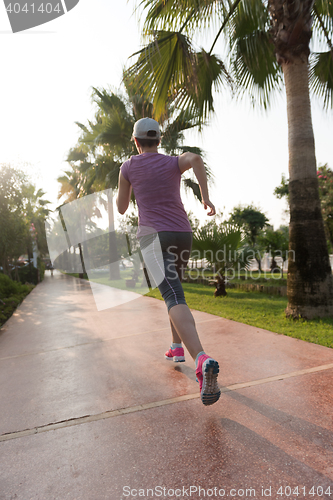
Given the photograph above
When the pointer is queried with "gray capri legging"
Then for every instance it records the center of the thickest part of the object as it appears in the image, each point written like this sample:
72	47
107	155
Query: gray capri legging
176	250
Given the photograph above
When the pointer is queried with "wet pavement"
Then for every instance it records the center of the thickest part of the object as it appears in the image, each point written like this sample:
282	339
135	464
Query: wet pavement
91	410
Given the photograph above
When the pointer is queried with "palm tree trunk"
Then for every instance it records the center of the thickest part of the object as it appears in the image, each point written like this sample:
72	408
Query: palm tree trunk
30	264
84	272
114	273
309	282
88	265
16	271
4	265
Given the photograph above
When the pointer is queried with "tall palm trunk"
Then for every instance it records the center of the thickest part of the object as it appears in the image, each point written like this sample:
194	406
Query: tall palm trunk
114	273
309	283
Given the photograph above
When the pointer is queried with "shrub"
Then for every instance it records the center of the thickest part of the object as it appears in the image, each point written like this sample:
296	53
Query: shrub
8	287
27	275
11	295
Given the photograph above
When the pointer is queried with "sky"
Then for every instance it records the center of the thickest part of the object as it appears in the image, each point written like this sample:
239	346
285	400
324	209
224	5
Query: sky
46	80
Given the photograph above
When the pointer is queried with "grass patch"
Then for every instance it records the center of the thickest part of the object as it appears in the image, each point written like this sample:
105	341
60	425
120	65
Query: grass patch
257	309
266	278
260	281
121	285
12	294
75	275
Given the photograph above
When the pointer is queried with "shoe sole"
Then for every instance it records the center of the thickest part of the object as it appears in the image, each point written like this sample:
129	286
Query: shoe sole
210	391
176	359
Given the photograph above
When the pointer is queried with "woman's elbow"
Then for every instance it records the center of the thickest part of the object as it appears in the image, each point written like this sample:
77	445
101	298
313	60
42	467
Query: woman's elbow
122	210
121	207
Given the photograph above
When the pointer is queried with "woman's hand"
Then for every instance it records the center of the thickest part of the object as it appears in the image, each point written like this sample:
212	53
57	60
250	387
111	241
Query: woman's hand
209	204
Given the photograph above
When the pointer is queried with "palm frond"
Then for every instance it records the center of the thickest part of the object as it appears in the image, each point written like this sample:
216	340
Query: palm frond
170	70
248	17
82	126
40	193
77	154
193	186
196	150
179	14
88	136
108	101
112	176
323	19
140	102
42	203
321	76
254	67
163	66
210	73
252	59
115	130
173	132
185	120
218	244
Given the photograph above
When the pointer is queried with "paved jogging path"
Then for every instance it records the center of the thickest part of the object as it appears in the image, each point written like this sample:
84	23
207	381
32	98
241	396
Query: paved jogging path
89	408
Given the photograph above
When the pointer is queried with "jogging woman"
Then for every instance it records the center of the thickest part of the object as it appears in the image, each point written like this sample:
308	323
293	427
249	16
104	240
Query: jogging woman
155	179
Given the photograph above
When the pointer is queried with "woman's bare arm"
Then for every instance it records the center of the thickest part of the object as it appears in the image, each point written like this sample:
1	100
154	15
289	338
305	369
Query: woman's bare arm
124	194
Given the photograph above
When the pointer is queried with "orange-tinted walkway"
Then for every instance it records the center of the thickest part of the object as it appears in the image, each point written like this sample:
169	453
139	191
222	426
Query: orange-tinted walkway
89	408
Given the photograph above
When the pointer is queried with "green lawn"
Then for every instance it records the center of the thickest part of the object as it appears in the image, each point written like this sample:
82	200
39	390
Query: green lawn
256	309
250	277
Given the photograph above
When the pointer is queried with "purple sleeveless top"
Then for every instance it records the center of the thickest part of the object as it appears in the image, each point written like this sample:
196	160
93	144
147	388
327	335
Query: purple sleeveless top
155	179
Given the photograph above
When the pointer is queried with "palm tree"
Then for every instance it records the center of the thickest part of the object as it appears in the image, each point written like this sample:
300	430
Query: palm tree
74	185
266	42
251	221
36	212
276	244
70	183
221	245
23	211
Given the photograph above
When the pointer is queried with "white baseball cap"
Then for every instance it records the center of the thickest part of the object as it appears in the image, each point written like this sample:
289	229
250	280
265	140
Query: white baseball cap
146	128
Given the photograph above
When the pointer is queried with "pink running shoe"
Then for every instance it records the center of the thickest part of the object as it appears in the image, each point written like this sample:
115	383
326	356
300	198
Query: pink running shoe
176	355
206	372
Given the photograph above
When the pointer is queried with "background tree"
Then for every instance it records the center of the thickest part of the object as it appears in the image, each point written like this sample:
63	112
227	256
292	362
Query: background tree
250	221
194	222
72	182
219	245
36	212
325	182
13	229
22	219
276	244
267	42
282	191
